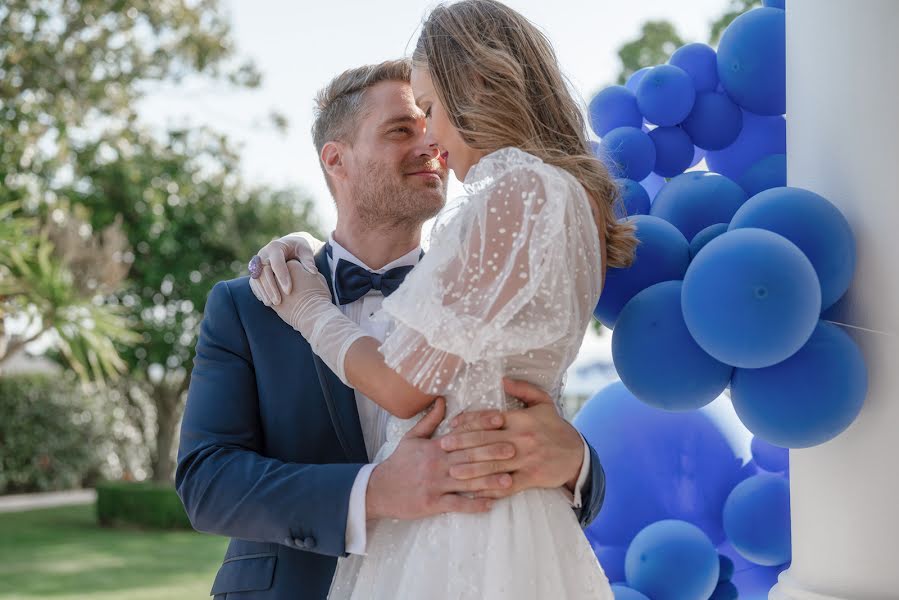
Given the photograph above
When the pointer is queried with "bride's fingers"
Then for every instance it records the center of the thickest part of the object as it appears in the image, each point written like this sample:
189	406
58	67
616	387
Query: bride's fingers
257	290
270	285
453	503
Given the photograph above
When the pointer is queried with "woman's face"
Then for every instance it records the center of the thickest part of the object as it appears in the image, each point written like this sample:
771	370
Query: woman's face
459	156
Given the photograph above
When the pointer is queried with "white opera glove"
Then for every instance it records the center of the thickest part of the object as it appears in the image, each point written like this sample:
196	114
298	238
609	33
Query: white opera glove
270	284
309	310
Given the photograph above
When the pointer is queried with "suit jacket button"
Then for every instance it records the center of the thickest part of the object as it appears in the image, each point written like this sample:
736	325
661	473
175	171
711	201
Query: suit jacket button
309	543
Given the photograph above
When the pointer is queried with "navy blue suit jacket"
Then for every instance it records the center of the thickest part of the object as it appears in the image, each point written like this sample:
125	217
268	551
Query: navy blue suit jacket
270	448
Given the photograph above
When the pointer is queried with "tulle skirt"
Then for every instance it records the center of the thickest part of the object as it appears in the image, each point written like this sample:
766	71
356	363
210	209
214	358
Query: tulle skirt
528	547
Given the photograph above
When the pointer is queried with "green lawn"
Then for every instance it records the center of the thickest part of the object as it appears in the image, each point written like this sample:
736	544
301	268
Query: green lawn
61	553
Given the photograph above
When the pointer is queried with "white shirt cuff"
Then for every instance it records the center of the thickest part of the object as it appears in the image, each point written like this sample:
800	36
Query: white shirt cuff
577	501
356	525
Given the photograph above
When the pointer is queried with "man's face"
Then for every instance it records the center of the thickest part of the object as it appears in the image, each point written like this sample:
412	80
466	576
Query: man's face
395	177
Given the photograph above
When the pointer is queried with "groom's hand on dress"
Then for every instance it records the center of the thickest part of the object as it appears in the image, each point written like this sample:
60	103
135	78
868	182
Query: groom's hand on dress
547	451
415	481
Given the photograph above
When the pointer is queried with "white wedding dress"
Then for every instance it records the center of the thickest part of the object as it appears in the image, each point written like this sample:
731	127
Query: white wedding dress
507	288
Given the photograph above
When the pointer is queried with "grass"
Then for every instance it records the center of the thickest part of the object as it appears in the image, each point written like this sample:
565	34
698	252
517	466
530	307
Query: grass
62	554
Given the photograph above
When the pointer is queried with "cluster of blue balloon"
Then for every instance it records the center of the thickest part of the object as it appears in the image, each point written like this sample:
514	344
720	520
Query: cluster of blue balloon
729	282
734	268
696	511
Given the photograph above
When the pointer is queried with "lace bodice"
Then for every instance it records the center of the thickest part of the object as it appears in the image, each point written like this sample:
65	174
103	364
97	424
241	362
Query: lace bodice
507	288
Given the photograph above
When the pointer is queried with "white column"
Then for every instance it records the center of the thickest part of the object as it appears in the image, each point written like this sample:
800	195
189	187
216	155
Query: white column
843	143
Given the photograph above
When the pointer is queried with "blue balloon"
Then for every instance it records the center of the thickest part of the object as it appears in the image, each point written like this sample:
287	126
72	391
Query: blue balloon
781	4
815	225
725	590
672	560
665	95
751	298
808	399
636	77
613	107
663	254
674	150
725	568
769	172
770	457
757	519
634	197
752	62
622	592
715	121
693	201
705	236
611	558
647	453
652	184
759	137
701	64
628	152
656	357
751	580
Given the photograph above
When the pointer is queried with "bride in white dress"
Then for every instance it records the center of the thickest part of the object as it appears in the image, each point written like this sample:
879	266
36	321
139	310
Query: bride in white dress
506	289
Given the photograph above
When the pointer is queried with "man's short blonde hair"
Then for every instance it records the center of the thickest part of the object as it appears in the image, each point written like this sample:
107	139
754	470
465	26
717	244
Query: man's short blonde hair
339	104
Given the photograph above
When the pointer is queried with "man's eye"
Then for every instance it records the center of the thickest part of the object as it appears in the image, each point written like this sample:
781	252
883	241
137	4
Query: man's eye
428	113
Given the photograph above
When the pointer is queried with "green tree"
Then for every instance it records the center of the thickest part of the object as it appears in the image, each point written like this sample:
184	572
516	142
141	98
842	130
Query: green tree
71	74
656	42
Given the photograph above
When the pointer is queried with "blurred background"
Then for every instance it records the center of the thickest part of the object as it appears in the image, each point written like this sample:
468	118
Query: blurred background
147	149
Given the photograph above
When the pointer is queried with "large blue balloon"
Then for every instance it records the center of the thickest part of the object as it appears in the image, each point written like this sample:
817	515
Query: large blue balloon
622	592
705	236
634	197
753	581
628	152
648	453
759	137
663	254
698	156
751	298
636	77
693	201
701	64
752	62
769	172
808	399
815	225
715	121
757	519
770	457
781	4
615	106
725	590
665	95
656	357
674	150
672	560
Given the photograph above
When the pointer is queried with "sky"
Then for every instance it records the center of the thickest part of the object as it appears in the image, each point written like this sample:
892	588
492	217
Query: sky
299	46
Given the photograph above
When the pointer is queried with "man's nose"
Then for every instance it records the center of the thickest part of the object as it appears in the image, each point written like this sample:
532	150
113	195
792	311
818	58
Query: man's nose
431	150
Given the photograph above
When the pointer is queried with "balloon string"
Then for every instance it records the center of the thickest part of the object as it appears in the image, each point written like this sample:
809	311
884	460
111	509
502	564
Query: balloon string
886	333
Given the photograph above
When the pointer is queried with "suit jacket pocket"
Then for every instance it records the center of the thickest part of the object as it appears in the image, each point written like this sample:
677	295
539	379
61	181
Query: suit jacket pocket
246	573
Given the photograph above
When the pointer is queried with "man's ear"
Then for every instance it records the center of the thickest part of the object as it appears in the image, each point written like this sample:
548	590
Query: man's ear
333	158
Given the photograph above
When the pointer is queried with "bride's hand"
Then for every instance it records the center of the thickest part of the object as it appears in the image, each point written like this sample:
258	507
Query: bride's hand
309	297
268	284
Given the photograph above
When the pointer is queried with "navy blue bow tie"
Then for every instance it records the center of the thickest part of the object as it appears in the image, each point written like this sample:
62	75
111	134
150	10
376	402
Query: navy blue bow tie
351	281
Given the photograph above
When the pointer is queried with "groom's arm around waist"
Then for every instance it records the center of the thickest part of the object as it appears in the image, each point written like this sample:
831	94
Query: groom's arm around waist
594	491
226	485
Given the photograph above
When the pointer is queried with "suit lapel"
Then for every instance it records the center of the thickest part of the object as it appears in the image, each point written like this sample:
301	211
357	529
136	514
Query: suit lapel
340	399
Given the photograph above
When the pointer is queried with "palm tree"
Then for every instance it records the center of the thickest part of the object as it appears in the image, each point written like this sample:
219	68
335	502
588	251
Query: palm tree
54	277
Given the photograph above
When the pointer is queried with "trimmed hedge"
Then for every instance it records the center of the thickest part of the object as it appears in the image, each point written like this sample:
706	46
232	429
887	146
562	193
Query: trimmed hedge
140	504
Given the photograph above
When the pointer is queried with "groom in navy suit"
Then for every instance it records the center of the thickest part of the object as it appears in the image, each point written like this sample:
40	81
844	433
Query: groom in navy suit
275	449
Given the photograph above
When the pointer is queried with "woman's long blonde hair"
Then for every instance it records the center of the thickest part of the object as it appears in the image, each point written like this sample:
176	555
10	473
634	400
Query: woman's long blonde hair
499	80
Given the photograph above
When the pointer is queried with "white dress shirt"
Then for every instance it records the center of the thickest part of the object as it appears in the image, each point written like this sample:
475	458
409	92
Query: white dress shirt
373	418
